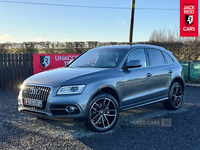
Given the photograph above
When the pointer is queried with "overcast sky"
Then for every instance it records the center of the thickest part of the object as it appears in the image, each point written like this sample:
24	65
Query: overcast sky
26	22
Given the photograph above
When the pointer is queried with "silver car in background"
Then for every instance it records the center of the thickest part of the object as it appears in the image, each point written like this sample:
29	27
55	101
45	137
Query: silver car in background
100	83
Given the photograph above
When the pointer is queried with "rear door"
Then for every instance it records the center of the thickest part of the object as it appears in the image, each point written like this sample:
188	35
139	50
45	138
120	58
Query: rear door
161	73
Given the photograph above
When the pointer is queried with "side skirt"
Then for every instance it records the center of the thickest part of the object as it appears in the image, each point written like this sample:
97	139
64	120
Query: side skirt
143	104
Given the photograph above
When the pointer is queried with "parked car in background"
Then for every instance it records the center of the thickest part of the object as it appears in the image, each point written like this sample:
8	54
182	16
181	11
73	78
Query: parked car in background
100	83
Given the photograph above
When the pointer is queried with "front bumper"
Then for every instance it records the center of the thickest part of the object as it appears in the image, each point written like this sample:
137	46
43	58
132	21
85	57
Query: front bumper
56	106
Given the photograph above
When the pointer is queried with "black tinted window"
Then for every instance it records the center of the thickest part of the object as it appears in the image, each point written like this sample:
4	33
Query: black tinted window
138	54
168	58
156	57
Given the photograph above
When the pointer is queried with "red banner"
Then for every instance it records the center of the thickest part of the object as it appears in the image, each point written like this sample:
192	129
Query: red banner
189	18
43	62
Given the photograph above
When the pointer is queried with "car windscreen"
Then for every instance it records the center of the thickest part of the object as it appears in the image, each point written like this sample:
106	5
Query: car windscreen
101	58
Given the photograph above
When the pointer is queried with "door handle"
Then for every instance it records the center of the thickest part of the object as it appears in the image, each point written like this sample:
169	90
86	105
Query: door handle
148	74
170	71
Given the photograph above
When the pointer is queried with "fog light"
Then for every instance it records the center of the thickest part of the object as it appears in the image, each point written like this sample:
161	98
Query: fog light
70	109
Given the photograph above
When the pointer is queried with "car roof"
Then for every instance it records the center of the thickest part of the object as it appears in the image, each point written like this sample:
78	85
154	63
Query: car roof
148	46
128	47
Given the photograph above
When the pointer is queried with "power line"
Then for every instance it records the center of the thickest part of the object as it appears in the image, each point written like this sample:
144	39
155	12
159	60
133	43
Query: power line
158	9
63	5
99	7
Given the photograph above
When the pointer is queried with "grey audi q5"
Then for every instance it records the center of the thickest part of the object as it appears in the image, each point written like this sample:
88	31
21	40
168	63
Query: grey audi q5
100	83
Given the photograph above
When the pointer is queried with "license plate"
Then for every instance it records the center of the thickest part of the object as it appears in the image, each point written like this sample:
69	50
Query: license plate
31	102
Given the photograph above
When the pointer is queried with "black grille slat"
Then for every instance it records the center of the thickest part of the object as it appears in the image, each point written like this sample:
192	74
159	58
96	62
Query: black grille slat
42	95
39	96
36	96
29	95
46	92
33	107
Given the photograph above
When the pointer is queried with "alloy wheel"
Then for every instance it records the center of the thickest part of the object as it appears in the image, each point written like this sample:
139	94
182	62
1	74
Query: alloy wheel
103	113
177	96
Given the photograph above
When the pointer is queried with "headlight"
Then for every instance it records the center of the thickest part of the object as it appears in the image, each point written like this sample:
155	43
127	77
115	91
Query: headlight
21	87
74	89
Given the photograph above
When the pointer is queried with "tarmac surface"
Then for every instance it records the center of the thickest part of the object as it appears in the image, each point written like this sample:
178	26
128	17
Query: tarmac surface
149	127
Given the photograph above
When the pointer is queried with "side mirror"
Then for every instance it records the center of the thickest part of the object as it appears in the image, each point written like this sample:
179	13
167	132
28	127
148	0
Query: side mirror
132	64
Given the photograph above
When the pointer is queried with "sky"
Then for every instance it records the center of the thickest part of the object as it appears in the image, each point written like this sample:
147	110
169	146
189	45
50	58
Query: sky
24	22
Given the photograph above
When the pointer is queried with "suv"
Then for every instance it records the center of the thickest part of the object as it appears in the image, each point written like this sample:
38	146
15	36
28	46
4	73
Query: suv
100	83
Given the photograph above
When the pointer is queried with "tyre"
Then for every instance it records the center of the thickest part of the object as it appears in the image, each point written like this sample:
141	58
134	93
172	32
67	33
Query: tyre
103	113
175	97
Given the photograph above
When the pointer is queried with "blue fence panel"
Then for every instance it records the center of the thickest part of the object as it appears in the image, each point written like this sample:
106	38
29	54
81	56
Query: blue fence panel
194	71
185	70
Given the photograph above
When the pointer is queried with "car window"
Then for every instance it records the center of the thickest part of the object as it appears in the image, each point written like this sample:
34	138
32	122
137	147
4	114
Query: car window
155	57
138	54
101	57
168	58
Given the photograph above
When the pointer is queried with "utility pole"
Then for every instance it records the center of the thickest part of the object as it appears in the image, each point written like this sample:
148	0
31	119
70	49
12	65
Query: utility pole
132	21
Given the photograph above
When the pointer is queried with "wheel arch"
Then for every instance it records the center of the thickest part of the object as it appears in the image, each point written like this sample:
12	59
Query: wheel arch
180	81
109	90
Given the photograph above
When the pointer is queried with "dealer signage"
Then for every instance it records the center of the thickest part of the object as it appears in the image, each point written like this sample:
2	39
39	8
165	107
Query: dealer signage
189	18
43	62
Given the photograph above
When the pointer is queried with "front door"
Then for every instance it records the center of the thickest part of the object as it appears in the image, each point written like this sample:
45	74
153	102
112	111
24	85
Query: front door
137	81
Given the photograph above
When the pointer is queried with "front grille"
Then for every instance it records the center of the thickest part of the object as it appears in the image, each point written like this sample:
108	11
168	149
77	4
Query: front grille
36	92
42	95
